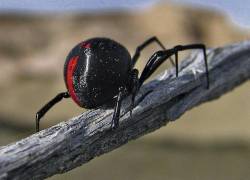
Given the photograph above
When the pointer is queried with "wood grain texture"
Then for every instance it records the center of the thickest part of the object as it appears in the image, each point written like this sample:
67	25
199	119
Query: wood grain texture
80	139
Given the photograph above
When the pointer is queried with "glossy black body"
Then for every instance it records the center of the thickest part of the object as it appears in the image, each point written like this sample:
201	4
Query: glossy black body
103	66
99	70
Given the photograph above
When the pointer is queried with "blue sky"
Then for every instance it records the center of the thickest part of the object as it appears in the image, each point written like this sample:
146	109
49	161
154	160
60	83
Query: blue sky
59	5
238	10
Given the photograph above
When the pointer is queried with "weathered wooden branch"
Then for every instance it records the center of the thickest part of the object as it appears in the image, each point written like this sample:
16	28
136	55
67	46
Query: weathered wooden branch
75	142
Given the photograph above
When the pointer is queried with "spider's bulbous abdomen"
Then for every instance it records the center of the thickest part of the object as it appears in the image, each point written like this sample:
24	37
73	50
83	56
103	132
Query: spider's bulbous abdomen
94	71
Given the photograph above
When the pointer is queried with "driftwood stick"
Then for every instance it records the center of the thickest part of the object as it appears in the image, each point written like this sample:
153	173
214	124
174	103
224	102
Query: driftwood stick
75	142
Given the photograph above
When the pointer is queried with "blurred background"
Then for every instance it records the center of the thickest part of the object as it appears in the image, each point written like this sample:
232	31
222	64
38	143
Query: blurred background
211	141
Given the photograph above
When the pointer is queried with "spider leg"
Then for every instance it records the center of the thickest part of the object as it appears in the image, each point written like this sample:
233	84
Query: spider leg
49	105
144	45
195	46
176	64
135	88
160	56
116	114
154	62
134	84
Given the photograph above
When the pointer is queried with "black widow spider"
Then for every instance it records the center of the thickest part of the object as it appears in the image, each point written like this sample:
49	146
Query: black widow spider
100	70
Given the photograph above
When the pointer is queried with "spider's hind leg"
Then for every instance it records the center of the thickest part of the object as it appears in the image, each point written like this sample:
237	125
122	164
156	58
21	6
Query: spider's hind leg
49	105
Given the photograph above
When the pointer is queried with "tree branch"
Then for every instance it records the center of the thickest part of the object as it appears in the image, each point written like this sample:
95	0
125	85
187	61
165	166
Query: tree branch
75	142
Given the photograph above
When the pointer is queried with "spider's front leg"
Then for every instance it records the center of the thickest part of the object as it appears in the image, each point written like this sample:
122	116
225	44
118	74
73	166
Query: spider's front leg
202	47
144	45
160	56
